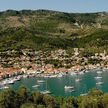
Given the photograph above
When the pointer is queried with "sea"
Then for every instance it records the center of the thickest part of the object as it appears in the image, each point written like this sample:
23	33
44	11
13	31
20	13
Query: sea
56	85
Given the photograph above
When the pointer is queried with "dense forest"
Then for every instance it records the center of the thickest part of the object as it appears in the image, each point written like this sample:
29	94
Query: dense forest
48	30
23	98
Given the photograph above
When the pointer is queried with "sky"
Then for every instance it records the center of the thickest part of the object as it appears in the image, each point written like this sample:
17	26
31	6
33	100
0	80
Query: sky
72	6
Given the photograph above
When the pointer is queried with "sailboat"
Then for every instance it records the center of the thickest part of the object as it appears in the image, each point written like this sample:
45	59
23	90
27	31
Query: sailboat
40	81
46	91
99	72
77	79
98	77
99	83
35	86
68	87
84	94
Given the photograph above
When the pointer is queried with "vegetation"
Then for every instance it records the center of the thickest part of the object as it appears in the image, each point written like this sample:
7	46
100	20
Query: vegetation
48	30
23	98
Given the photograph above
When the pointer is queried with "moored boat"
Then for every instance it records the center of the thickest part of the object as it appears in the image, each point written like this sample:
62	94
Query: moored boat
99	83
46	92
69	87
40	81
34	86
98	77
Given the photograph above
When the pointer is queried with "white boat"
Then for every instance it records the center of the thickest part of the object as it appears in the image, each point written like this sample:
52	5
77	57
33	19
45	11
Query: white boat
25	76
98	77
82	72
4	87
69	87
99	72
73	73
46	92
11	81
35	86
60	75
17	79
5	82
87	70
73	90
99	83
40	81
77	80
84	94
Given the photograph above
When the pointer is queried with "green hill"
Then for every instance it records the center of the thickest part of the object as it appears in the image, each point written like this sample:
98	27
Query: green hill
45	29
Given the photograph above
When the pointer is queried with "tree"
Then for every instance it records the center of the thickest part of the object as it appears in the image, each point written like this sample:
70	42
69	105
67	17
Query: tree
95	92
67	105
36	97
105	100
49	101
7	99
28	105
22	95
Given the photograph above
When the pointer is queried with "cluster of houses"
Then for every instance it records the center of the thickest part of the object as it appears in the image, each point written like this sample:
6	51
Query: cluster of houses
9	72
30	61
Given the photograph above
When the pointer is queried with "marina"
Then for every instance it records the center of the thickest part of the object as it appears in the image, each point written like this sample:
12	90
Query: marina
64	85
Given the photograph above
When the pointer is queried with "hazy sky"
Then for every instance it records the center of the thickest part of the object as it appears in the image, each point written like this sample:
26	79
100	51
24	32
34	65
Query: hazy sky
58	5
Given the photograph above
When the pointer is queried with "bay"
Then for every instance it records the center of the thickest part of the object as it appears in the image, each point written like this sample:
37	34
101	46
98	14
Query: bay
56	85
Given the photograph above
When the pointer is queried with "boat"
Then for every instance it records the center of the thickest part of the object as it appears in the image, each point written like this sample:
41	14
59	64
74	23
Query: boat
84	94
59	75
40	81
99	72
34	86
73	73
73	90
69	87
46	92
77	80
82	72
99	83
86	71
17	78
4	87
98	77
5	82
25	76
11	82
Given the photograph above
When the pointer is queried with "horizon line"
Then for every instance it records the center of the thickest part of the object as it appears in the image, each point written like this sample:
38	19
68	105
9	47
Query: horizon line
52	10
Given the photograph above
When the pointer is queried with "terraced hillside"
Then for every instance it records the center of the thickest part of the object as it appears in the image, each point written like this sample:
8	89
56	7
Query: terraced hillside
44	29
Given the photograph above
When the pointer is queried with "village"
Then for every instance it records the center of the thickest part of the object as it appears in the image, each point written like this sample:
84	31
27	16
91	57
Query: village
50	64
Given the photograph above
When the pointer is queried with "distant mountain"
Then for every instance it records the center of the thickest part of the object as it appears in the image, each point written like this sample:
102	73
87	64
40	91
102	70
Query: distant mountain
45	29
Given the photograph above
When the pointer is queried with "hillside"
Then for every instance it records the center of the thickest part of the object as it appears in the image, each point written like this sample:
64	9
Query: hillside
45	29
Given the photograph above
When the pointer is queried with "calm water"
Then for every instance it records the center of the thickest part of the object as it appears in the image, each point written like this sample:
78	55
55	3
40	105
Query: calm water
56	85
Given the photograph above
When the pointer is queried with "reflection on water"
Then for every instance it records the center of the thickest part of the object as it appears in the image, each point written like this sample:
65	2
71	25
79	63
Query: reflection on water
56	85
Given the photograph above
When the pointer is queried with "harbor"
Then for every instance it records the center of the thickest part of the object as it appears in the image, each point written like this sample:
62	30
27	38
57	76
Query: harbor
65	85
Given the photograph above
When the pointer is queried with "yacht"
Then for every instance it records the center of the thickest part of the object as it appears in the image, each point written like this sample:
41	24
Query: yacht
25	76
73	73
60	75
4	87
5	82
99	83
77	80
73	90
17	79
99	72
69	87
84	94
46	92
98	77
11	81
40	81
35	86
82	72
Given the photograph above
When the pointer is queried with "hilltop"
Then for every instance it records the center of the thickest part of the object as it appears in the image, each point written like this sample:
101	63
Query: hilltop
48	30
